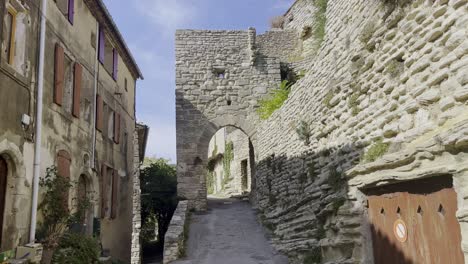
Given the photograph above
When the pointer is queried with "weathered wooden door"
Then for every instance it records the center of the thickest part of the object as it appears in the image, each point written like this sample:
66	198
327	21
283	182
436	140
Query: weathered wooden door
3	185
416	223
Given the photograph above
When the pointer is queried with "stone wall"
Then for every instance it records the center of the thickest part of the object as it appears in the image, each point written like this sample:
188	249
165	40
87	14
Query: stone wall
403	81
175	236
385	77
136	221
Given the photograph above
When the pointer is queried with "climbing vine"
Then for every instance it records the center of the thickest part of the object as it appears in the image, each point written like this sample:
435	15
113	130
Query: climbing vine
228	157
321	20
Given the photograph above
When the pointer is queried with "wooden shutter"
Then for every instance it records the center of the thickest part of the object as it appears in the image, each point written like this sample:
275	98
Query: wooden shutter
116	64
71	10
101	45
78	75
116	128
59	74
99	113
115	194
104	191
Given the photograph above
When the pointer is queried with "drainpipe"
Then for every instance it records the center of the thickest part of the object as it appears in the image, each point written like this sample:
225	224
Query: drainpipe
96	75
38	142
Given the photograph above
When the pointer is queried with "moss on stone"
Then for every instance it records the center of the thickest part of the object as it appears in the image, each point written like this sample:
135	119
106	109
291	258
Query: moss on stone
367	32
311	170
377	150
335	179
313	257
303	132
394	68
320	20
353	104
328	98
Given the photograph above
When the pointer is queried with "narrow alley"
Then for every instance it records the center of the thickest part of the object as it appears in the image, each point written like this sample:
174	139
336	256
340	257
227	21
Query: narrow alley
229	233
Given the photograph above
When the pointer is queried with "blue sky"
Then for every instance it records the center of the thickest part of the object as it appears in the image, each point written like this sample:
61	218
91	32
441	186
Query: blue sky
149	28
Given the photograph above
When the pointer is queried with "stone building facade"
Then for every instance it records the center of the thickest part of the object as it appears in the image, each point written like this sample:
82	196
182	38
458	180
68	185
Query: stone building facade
229	151
384	100
89	123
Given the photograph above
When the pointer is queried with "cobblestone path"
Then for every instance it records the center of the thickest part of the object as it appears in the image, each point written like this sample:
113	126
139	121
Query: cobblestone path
228	233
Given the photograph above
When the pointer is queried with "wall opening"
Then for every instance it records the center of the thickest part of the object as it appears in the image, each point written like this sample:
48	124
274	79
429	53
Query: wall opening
228	170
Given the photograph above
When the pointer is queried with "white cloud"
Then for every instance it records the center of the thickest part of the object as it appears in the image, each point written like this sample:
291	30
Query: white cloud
167	15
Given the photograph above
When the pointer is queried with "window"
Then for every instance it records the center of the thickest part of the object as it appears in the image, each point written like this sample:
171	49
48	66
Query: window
99	113
126	85
108	55
110	123
10	31
67	7
220	73
109	192
67	82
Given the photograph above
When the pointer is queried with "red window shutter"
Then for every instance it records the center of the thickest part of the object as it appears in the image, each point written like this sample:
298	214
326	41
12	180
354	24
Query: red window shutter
104	201
116	128
99	113
59	74
115	194
78	75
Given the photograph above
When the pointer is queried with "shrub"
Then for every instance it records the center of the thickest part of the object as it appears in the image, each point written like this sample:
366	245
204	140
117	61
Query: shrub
320	20
277	22
76	249
314	256
303	132
274	101
377	150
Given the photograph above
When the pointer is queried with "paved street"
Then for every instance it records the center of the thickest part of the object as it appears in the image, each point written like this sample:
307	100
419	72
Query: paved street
229	234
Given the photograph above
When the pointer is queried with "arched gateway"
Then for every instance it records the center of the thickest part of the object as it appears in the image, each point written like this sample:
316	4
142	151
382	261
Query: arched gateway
220	77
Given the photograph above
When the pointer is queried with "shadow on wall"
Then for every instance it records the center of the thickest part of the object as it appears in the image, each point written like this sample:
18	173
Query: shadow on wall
386	251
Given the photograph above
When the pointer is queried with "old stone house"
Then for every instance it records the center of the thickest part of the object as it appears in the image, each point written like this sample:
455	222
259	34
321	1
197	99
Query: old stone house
382	175
89	124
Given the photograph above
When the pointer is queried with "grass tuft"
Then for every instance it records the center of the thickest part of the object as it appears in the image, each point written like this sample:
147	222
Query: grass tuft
274	101
377	150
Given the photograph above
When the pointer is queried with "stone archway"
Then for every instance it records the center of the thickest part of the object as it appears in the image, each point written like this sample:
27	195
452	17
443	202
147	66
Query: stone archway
220	77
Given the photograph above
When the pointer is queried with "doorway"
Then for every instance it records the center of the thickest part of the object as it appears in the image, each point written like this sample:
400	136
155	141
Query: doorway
3	185
415	222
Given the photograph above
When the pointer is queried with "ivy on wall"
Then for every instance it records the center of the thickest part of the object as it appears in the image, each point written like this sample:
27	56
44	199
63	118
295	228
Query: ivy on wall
228	157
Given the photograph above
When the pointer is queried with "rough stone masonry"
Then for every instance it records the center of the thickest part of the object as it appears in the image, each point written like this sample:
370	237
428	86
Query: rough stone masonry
384	99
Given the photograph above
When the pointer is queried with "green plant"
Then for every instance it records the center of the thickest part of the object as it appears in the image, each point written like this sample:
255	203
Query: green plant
377	150
311	170
274	101
210	182
320	20
353	104
394	68
303	132
159	195
76	249
337	203
335	179
212	161
228	158
313	257
367	32
328	97
56	216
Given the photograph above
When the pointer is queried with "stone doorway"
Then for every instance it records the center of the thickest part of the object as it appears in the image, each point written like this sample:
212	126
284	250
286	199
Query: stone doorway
3	185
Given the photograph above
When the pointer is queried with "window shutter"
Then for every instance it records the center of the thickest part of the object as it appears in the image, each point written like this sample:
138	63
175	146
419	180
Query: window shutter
101	45
116	64
99	113
78	75
116	128
115	194
59	74
71	10
104	201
